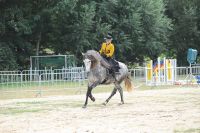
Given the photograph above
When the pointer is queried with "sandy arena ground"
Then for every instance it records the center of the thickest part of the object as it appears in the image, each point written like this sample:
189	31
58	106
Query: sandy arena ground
150	111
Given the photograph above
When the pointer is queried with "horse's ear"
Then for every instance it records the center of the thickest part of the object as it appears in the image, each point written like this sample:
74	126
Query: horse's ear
84	55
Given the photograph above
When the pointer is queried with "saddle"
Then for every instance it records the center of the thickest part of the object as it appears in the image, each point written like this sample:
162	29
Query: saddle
114	65
114	69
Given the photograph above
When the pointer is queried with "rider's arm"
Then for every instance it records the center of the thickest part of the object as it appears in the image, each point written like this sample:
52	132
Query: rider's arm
112	49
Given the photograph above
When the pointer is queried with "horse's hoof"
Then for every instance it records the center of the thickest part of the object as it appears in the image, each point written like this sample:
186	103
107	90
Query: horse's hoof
121	103
104	104
84	106
93	99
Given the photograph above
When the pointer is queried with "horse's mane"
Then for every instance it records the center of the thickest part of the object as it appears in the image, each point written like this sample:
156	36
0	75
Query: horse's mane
96	57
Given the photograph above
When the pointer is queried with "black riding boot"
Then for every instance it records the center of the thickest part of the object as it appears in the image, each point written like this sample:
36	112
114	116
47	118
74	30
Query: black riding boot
112	71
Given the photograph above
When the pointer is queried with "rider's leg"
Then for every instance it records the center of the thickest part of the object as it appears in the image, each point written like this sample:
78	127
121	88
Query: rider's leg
115	65
112	69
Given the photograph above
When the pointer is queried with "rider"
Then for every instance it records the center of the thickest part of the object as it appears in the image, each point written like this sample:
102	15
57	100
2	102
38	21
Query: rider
107	51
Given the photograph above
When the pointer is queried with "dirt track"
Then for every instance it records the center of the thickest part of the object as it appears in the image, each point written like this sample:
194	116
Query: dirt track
169	110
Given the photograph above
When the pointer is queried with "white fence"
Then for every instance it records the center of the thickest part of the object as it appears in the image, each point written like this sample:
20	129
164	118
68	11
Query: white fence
186	70
29	78
70	78
181	73
138	73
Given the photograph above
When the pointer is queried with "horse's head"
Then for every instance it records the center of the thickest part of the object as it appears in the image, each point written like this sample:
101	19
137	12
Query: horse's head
91	58
89	61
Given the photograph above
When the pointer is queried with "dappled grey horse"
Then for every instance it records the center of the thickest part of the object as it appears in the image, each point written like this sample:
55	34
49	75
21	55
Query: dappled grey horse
97	69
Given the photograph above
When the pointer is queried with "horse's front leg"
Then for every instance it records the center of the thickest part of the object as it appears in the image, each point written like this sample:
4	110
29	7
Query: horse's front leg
86	100
89	94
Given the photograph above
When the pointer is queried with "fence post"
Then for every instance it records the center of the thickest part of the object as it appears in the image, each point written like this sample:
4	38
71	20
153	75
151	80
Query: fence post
39	93
21	75
31	73
52	75
134	74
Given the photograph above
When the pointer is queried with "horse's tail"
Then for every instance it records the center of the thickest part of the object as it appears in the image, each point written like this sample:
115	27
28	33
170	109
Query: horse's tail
128	83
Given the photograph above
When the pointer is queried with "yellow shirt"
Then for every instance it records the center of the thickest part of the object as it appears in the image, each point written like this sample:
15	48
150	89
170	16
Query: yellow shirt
107	49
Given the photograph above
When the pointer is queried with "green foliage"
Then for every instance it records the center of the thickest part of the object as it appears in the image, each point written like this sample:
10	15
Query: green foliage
140	29
7	59
73	23
184	14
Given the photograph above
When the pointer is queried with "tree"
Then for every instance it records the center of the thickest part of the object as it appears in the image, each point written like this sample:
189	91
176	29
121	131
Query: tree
140	28
24	23
73	23
186	30
7	59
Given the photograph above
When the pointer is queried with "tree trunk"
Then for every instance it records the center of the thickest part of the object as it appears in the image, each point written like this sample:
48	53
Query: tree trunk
38	44
37	51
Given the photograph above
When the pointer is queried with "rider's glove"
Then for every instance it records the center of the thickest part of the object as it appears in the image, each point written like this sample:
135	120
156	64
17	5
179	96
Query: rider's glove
104	56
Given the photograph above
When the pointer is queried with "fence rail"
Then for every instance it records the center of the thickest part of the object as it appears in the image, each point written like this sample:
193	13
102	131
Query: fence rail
74	74
138	73
71	77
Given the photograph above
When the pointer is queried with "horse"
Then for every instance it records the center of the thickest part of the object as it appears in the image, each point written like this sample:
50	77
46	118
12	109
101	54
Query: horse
97	68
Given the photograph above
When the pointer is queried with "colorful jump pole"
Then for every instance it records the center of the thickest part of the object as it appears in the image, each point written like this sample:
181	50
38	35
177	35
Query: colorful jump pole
161	72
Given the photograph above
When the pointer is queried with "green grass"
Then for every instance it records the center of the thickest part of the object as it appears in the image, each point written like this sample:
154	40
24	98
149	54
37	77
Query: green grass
192	130
34	107
73	104
32	85
14	111
30	90
49	91
30	103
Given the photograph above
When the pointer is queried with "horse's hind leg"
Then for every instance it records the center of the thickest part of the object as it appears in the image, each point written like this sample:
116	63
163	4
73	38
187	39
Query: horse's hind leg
112	94
119	88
